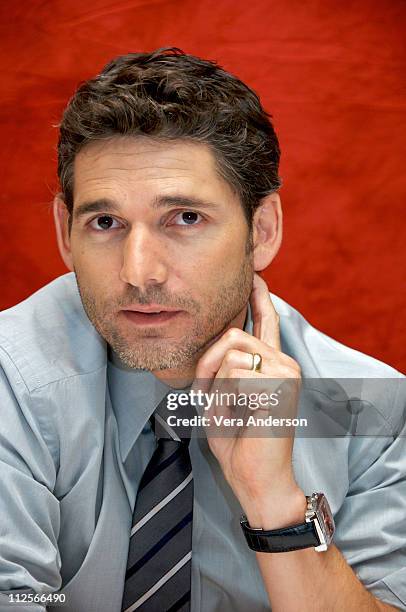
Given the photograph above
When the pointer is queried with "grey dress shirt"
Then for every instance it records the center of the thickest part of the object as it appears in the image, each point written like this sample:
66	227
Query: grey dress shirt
75	439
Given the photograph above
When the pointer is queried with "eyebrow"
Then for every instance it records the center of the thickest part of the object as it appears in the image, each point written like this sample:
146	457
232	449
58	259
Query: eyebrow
179	200
100	205
107	205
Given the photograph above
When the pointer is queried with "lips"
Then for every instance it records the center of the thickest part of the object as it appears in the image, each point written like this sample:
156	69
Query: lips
152	309
150	315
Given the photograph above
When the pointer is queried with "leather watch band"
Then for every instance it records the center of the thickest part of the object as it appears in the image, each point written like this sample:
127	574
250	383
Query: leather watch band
281	540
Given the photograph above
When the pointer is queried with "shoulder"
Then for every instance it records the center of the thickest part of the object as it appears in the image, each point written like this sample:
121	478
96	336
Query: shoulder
321	356
349	381
48	336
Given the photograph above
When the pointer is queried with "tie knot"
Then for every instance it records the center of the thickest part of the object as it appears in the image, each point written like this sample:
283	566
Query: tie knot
173	424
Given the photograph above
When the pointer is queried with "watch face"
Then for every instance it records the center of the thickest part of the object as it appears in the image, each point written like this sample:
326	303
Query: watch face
325	516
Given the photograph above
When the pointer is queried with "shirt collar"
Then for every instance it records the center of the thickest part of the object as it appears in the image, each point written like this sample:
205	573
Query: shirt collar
135	394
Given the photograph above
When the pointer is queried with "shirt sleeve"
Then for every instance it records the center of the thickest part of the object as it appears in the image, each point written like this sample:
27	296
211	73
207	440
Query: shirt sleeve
371	524
29	512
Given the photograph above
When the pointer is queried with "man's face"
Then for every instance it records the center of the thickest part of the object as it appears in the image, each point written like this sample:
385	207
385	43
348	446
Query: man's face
155	227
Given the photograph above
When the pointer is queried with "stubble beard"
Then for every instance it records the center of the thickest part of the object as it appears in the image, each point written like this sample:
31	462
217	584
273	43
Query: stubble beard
144	353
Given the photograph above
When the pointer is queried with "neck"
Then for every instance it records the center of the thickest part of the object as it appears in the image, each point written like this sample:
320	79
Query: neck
179	378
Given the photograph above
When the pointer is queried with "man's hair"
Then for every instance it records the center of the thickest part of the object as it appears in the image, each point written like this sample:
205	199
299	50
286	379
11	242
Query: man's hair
168	94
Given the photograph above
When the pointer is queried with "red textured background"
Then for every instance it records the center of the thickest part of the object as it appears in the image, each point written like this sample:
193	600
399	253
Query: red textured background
332	73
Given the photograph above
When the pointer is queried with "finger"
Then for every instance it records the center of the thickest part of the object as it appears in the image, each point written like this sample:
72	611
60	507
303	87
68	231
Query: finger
221	390
274	364
264	316
234	359
233	338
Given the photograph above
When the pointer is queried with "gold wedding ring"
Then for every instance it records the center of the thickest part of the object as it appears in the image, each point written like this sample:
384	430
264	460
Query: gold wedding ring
256	362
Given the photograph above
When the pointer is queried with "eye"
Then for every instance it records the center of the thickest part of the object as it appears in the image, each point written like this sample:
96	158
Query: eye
103	223
188	217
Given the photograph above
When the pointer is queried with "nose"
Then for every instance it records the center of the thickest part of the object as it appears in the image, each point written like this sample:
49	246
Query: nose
143	262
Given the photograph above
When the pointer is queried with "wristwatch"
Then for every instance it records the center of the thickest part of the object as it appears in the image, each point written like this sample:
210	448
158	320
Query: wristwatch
317	530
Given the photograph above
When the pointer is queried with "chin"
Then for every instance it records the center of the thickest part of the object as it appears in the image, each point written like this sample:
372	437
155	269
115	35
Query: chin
155	356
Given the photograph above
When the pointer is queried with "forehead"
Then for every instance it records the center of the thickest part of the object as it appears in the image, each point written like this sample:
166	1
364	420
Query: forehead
139	165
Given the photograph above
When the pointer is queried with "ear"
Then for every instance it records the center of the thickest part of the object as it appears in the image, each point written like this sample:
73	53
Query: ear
267	231
61	218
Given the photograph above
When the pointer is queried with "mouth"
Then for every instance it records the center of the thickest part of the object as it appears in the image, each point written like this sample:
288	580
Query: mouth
150	315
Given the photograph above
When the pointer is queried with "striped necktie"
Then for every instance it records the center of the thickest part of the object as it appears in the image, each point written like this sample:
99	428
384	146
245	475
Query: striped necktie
158	575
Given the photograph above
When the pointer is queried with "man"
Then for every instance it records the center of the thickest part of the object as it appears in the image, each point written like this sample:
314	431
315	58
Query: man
168	211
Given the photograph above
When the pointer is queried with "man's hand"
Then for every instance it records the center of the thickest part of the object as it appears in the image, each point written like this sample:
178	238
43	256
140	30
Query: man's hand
258	469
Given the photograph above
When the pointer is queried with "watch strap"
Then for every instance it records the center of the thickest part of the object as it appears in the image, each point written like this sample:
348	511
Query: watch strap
295	537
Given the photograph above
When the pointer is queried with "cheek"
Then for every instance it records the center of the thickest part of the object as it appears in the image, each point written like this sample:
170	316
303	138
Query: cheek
96	263
228	257
229	245
96	276
205	273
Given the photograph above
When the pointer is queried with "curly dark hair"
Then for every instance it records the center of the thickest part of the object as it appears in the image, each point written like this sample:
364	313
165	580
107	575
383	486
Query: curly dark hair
169	94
